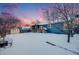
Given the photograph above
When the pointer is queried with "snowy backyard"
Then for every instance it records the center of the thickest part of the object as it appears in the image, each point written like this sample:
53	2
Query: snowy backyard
35	44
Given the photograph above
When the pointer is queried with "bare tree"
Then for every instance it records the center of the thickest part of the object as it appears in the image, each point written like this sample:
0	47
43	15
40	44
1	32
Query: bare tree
67	13
46	14
51	14
63	12
7	22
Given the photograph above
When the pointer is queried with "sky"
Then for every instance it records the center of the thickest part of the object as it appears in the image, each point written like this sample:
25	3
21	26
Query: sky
27	12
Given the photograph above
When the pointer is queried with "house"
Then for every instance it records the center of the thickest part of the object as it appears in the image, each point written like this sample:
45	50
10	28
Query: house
15	30
39	27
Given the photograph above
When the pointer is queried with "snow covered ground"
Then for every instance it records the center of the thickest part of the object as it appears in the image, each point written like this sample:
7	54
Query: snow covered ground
35	44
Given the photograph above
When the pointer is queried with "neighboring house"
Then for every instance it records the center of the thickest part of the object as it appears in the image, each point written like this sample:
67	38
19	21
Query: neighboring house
39	27
24	29
15	30
76	21
62	27
56	28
